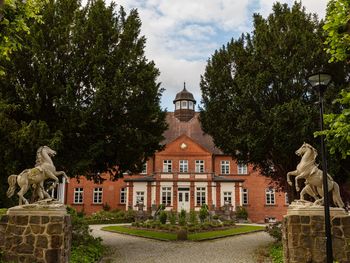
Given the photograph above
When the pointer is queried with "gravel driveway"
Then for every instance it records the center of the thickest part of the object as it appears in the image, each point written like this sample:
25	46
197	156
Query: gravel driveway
129	249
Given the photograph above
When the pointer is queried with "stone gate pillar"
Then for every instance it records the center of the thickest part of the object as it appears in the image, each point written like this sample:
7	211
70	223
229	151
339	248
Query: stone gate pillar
36	233
304	238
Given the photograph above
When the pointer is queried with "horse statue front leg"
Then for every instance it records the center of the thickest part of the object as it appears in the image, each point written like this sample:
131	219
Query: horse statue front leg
300	176
58	173
53	177
294	173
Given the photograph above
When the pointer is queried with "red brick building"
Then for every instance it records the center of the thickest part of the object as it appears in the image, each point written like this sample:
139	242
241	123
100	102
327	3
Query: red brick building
189	172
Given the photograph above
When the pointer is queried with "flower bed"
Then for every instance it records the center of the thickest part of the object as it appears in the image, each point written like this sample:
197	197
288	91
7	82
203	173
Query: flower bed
111	217
156	225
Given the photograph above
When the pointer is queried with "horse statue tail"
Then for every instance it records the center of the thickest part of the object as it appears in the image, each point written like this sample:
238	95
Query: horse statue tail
336	195
12	180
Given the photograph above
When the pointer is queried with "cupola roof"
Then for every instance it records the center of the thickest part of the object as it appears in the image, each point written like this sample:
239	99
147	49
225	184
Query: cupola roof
184	95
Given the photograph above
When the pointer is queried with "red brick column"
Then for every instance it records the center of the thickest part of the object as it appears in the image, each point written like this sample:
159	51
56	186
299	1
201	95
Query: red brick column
149	196
237	195
157	193
130	194
218	195
210	196
175	196
192	195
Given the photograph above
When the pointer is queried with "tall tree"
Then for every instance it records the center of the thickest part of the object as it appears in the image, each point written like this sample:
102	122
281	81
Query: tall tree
256	104
82	85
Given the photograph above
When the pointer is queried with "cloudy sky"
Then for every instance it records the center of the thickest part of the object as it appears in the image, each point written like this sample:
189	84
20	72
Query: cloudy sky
182	34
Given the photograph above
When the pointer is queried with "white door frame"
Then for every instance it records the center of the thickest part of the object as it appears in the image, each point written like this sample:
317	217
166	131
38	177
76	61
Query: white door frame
183	199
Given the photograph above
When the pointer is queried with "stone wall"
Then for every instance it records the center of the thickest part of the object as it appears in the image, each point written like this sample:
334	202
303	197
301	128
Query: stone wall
35	238
304	238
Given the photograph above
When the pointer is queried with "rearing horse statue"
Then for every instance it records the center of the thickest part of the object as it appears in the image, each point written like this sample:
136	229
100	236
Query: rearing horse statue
308	169
44	169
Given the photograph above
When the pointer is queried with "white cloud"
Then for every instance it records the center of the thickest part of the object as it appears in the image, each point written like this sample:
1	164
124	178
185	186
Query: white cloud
182	34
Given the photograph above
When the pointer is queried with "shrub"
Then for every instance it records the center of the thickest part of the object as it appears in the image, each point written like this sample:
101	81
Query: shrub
182	217
241	213
203	213
106	207
172	218
193	218
215	217
275	230
85	248
276	253
162	217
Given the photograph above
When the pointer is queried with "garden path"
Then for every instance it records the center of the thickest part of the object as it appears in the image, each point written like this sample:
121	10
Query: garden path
129	249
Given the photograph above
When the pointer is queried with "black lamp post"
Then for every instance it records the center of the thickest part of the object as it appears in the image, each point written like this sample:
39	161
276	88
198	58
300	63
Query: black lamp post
319	82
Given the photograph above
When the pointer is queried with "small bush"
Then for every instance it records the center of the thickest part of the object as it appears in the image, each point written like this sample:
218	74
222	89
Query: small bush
182	217
203	213
276	253
172	218
215	217
163	217
193	218
85	248
106	207
275	231
241	213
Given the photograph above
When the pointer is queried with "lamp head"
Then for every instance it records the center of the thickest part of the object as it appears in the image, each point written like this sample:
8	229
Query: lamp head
319	81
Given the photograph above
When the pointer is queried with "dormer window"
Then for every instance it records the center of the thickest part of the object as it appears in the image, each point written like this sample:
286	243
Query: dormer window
184	105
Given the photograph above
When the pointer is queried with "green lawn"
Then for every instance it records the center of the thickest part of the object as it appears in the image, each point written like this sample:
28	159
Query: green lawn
223	233
193	236
141	232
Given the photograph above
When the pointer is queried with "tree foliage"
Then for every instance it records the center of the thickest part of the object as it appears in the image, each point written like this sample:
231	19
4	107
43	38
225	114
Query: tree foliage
256	103
15	17
82	85
337	27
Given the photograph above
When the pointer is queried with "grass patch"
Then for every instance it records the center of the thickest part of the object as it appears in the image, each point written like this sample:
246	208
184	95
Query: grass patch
223	233
193	236
141	232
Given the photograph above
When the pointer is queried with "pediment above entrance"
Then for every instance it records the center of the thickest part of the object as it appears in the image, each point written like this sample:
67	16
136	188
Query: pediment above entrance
184	145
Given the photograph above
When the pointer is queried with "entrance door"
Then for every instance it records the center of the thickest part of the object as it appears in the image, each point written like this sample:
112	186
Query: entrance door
183	199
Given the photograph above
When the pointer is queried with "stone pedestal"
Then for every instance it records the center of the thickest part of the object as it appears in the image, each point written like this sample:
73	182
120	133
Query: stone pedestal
36	233
304	238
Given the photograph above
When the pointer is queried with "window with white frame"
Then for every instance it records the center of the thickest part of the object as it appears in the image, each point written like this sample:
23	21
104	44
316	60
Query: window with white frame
166	196
78	195
144	168
270	196
242	168
227	197
190	105
123	195
183	165
200	196
286	198
167	166
177	105
244	196
183	104
225	167
140	197
97	195
199	168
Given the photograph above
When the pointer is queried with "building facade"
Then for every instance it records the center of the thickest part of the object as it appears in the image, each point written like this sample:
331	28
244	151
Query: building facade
188	173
